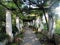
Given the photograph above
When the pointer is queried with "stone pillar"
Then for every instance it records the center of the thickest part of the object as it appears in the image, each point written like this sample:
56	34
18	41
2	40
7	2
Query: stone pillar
9	24
39	24
17	23
41	27
33	22
21	24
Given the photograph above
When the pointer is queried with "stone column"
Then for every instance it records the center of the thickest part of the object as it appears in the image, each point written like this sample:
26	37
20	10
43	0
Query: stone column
33	22
39	24
9	24
17	23
21	25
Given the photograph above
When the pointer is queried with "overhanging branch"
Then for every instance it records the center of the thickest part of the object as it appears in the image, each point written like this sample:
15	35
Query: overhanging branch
46	19
4	6
15	1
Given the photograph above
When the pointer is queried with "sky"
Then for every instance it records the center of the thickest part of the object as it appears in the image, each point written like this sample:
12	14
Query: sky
57	10
33	5
56	6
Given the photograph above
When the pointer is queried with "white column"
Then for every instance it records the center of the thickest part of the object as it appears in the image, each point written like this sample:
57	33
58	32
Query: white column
17	23
21	24
9	24
37	22
33	22
41	27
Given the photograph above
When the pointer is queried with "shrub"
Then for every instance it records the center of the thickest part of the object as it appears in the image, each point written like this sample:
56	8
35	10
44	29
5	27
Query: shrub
3	36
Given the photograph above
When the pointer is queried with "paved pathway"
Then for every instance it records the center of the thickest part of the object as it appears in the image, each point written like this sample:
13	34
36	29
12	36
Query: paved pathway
30	38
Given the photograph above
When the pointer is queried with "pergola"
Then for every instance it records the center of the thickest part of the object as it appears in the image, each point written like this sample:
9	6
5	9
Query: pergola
30	4
26	6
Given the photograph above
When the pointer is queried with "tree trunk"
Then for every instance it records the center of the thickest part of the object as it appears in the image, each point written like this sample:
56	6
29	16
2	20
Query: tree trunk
9	24
51	26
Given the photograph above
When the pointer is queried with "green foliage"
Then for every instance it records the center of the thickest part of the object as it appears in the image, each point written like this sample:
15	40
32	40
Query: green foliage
19	35
14	44
3	34
45	27
9	4
3	37
14	29
2	14
57	30
2	29
39	36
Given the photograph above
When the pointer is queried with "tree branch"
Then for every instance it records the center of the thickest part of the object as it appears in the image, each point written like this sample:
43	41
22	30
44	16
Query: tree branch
15	1
4	6
45	18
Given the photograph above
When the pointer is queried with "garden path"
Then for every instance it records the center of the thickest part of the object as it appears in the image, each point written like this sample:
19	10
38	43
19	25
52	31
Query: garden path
30	38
